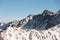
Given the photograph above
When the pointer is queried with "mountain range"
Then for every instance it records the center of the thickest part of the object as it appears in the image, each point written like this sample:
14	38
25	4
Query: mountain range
45	26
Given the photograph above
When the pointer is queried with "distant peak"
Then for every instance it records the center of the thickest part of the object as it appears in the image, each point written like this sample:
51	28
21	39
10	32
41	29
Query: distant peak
46	12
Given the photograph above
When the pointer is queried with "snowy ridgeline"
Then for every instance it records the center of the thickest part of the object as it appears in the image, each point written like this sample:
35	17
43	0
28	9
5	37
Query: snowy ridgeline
45	26
13	33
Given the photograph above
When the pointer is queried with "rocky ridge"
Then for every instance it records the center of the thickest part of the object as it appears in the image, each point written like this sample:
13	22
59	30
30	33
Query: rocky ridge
45	26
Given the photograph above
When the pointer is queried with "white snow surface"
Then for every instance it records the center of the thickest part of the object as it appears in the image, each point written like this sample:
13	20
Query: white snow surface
13	33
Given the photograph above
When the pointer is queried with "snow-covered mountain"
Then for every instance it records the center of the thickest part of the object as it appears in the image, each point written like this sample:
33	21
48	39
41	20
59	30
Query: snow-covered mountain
45	26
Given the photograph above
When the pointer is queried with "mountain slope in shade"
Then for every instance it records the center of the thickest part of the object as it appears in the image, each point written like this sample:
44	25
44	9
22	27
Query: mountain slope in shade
45	26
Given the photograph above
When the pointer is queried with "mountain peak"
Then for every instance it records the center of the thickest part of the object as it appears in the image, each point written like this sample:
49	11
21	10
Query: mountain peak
46	12
33	27
33	21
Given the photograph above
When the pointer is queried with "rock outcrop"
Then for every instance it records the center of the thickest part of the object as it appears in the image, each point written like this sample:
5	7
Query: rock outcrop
45	26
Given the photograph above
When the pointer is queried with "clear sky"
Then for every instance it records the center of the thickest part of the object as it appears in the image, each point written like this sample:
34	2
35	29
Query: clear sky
19	9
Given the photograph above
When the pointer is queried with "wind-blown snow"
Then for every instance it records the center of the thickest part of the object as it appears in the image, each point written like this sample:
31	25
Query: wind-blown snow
13	33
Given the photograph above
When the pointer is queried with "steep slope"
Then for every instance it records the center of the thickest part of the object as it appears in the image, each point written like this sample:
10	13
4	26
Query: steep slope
45	26
37	21
13	33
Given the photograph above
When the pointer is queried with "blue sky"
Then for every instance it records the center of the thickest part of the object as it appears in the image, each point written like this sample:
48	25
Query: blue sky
19	9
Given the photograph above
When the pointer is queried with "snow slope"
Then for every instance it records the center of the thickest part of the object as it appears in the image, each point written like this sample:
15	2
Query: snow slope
13	33
45	26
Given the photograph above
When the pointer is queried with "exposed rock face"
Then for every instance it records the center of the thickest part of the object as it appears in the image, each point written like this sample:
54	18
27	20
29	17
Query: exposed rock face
46	12
45	26
15	23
